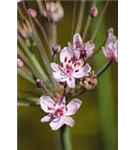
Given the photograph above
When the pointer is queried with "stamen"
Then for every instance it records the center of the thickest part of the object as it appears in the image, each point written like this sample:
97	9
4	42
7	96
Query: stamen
65	59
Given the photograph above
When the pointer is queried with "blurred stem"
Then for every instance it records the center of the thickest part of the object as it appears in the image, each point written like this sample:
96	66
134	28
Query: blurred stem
45	37
54	34
29	99
25	76
73	19
27	105
20	12
29	92
65	138
104	89
40	46
33	59
89	21
54	41
98	24
80	18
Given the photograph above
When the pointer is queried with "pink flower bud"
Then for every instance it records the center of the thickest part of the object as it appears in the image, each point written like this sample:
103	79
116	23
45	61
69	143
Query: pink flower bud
93	11
56	48
39	82
110	30
20	63
32	12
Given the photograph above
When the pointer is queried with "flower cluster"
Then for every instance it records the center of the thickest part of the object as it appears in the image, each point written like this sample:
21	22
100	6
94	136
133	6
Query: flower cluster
72	72
72	60
72	66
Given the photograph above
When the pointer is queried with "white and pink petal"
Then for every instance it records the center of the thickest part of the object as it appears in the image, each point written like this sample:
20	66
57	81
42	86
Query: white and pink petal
46	118
68	121
77	41
76	53
89	49
47	104
66	55
56	67
78	64
73	106
55	125
82	71
71	82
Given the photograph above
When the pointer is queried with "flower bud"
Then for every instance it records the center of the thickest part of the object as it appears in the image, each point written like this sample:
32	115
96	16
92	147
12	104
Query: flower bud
89	81
32	12
54	11
56	48
39	82
94	11
110	30
20	63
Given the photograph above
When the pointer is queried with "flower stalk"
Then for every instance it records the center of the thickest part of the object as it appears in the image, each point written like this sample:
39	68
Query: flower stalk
65	139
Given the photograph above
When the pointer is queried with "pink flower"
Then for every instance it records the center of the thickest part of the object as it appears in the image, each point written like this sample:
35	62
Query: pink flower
80	49
32	12
19	1
20	63
54	11
68	71
111	47
58	112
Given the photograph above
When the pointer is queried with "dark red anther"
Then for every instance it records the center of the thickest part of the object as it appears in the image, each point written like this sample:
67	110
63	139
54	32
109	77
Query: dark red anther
65	59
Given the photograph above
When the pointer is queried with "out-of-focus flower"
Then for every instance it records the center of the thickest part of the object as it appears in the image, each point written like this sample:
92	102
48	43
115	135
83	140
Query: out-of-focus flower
58	112
94	11
24	28
80	49
20	63
32	12
68	71
54	11
56	48
111	47
19	1
89	81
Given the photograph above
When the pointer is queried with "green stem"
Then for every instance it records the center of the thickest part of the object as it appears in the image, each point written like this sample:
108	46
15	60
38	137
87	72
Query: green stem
33	100
88	23
104	68
89	19
27	105
73	19
36	38
98	24
20	12
65	138
80	18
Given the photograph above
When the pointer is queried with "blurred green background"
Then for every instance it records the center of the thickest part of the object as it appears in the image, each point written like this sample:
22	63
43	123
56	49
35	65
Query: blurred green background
96	121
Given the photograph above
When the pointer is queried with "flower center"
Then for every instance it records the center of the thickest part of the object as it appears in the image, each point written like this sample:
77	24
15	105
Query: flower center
82	53
59	112
69	69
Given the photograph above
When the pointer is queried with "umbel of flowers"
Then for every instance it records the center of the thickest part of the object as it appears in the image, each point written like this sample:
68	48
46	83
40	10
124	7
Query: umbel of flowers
67	72
73	67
